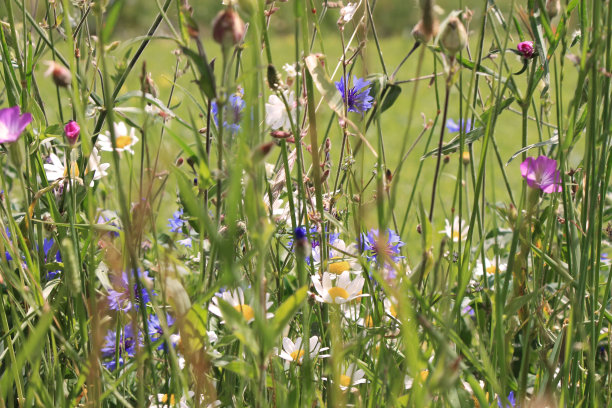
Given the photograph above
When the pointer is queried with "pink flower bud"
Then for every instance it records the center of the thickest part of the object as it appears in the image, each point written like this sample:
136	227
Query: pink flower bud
228	28
526	49
72	131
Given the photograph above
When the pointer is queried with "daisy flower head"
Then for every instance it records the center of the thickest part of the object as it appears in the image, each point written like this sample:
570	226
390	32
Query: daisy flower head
343	289
454	231
236	299
12	124
350	376
490	268
124	139
276	112
294	352
165	401
358	96
122	294
381	248
542	173
232	113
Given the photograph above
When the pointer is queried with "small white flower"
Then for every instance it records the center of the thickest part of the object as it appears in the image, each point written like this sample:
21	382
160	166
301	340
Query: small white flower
345	289
347	12
236	299
489	269
454	232
57	169
290	70
338	261
124	139
276	113
350	377
294	353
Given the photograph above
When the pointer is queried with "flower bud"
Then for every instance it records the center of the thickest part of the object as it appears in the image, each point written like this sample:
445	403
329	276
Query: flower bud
72	131
553	7
465	157
526	49
228	28
453	36
61	76
273	77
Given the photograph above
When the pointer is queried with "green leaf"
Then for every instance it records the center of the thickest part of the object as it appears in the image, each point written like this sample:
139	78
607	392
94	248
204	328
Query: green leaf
111	20
392	94
552	141
286	311
207	76
193	330
235	321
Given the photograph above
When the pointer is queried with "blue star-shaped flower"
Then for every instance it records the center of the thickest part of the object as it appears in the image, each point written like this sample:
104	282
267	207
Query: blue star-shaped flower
358	96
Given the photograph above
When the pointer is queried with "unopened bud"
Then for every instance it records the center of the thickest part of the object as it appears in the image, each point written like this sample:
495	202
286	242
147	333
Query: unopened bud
419	229
446	159
72	131
61	75
453	36
422	34
228	27
553	7
273	77
262	151
149	86
465	156
280	134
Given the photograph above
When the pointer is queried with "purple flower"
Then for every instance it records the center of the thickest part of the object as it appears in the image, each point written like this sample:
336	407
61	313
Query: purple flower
127	347
72	131
155	329
453	126
511	400
379	249
12	124
47	246
176	223
120	297
526	49
232	114
358	96
542	173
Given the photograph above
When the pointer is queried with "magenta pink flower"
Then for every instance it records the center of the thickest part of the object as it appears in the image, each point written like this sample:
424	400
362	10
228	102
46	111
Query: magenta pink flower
526	49
542	173
12	124
72	131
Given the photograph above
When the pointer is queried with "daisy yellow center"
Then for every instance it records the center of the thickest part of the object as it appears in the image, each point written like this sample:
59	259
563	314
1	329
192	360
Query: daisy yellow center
297	355
338	292
164	399
424	374
456	235
369	322
246	310
345	380
338	267
491	269
392	311
123	141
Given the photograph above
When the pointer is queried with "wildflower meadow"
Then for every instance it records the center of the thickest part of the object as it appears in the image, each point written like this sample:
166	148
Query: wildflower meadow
297	203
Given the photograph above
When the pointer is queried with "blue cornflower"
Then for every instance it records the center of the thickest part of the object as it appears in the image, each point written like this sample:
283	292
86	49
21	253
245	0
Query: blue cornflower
511	400
232	114
386	247
47	246
127	347
156	331
358	97
176	223
453	126
120	298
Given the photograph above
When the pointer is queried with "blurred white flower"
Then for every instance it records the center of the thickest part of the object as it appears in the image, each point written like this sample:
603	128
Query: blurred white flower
124	139
290	70
294	353
489	268
345	289
454	232
57	169
236	299
347	12
350	377
276	112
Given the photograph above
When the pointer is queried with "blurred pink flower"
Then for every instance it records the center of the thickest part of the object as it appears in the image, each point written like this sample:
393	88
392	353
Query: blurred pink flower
526	49
542	173
12	124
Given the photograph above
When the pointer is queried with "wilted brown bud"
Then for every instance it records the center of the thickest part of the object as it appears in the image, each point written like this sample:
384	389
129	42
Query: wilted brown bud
273	77
179	162
61	76
446	159
421	34
453	36
228	28
388	175
280	134
149	86
427	27
419	229
553	7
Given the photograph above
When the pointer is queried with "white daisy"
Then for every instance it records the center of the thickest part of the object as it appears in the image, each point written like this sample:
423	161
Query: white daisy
350	377
57	169
345	289
338	261
94	164
454	232
124	139
294	353
491	266
236	299
276	113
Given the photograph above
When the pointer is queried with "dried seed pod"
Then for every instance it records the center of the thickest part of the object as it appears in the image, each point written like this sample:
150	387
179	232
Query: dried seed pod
453	36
